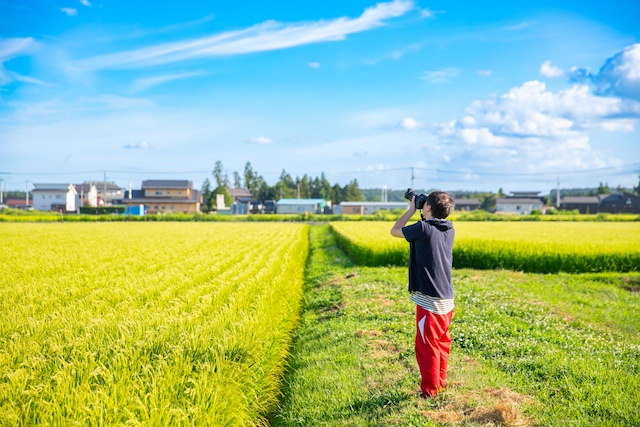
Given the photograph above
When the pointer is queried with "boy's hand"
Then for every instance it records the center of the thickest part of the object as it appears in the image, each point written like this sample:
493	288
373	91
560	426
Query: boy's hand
396	230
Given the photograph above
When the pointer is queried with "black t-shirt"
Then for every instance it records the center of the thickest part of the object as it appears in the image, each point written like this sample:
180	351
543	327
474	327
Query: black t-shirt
430	257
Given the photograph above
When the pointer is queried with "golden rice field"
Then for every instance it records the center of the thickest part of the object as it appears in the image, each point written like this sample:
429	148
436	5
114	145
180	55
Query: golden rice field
543	247
146	323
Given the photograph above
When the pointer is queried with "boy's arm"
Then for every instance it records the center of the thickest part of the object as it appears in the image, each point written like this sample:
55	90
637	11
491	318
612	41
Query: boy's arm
396	230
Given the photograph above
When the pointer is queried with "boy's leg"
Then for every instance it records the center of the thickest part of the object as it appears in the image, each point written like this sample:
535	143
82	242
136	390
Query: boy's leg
432	348
445	346
427	352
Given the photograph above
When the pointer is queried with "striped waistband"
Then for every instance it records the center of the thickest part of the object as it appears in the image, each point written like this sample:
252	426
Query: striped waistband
432	304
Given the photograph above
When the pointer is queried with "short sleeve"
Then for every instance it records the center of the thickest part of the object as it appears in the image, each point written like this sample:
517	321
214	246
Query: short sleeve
412	232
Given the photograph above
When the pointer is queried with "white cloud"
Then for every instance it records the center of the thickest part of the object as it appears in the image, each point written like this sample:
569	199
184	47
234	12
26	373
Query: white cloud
144	84
12	48
536	129
314	64
440	76
620	74
267	36
485	73
69	11
261	140
137	145
551	71
409	123
85	3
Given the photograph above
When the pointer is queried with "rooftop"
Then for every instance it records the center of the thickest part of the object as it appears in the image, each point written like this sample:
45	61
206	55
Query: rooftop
160	183
300	201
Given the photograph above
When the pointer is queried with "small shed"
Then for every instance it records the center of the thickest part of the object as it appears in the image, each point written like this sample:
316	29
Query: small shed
584	204
467	204
296	206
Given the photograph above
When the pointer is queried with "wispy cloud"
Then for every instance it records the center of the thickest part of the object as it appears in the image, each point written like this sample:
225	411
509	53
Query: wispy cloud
137	145
143	84
485	73
261	140
410	123
397	54
440	76
12	48
262	37
314	64
85	3
69	11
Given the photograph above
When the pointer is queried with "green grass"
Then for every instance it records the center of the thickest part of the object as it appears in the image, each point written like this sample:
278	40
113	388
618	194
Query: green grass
146	324
573	247
543	349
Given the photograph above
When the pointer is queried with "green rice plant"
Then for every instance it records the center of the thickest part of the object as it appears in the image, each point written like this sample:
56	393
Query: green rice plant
542	247
146	324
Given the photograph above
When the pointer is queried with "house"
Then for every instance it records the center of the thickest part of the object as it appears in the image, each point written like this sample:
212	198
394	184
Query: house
88	193
55	197
367	208
109	193
241	200
18	203
619	203
521	202
296	206
161	196
585	204
468	204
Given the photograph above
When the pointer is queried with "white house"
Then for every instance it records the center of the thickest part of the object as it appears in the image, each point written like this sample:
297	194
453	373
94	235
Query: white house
367	208
55	197
521	202
88	193
296	206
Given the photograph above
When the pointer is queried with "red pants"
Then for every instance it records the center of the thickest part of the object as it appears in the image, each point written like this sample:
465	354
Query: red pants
432	349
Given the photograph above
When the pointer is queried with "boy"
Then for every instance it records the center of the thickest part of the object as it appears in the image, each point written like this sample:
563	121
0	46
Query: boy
430	285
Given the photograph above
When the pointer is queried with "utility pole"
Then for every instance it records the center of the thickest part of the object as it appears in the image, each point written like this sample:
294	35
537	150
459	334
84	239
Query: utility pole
412	177
104	201
129	191
558	195
298	190
26	187
1	199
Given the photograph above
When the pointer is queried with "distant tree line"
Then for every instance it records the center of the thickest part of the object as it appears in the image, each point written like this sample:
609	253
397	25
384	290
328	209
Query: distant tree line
287	187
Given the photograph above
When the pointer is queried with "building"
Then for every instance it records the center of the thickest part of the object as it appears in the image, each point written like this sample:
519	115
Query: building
619	203
161	196
585	204
18	204
109	193
367	208
520	202
296	206
55	197
468	204
241	200
88	194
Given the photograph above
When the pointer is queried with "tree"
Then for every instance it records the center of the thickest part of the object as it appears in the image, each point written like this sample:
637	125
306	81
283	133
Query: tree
637	189
206	195
237	180
218	173
249	176
603	189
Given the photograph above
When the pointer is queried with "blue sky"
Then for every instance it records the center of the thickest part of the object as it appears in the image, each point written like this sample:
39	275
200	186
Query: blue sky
473	95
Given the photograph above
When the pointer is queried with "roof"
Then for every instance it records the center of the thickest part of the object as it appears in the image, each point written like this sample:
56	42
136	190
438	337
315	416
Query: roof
300	202
579	199
51	187
383	204
239	192
159	183
520	200
468	202
525	193
17	202
100	185
86	187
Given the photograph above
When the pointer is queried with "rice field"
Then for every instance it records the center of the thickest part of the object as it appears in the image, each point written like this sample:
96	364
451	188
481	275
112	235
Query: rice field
146	324
541	247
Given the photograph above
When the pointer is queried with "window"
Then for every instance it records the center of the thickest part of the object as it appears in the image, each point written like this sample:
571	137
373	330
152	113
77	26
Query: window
147	193
158	193
171	207
162	206
58	196
168	192
517	208
155	207
179	192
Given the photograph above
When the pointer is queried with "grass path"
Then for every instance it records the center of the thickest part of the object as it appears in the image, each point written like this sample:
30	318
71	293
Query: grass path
528	349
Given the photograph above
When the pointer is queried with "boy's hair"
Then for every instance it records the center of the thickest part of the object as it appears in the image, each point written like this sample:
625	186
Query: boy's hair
441	203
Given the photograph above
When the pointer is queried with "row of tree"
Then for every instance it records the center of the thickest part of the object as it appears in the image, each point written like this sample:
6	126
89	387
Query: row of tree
287	187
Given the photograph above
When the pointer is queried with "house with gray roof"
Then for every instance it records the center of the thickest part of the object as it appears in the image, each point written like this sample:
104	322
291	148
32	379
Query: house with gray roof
520	202
162	196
